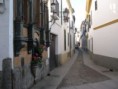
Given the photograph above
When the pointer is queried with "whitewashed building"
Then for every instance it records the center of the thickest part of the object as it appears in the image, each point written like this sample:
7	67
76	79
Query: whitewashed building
62	35
102	35
24	37
6	30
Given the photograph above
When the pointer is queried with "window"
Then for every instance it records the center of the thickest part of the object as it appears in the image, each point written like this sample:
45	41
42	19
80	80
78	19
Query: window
96	7
68	39
25	11
57	8
91	18
64	39
89	22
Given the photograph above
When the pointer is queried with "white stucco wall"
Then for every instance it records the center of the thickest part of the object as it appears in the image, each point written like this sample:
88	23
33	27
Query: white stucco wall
105	39
58	29
107	11
72	39
6	32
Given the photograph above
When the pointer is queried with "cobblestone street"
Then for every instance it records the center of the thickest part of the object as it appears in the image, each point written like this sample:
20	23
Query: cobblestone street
58	44
81	74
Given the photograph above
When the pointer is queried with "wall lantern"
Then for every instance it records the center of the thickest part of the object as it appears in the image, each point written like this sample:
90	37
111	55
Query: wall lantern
53	20
53	7
65	14
75	31
2	6
54	10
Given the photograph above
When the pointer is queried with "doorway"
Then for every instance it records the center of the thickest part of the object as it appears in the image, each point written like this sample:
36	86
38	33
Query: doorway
53	61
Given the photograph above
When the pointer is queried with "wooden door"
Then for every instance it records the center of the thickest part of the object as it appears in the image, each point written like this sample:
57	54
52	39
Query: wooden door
53	63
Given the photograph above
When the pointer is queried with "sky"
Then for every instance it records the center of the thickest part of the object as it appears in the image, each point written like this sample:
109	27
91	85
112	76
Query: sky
80	11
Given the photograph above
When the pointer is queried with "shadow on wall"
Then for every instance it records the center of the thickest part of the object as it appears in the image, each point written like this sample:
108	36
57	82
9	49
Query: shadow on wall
108	62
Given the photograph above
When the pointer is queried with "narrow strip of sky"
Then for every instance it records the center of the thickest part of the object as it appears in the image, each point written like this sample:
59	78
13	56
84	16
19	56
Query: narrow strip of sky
79	7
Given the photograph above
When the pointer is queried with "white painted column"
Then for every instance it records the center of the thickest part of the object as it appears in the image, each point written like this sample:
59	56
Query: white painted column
11	30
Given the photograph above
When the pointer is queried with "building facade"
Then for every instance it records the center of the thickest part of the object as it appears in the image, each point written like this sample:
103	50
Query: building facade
83	36
61	36
24	40
6	32
103	40
34	41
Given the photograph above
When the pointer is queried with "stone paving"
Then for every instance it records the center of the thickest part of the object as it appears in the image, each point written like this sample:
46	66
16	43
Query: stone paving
80	74
52	81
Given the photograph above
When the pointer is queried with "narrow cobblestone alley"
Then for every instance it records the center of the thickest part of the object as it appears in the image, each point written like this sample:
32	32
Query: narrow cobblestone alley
58	44
80	74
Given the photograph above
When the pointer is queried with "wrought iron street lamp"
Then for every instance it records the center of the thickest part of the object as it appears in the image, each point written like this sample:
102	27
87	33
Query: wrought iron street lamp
54	10
53	7
75	31
54	18
65	14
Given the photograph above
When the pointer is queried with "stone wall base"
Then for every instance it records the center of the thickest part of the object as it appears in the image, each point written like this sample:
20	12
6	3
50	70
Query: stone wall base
108	62
24	79
63	58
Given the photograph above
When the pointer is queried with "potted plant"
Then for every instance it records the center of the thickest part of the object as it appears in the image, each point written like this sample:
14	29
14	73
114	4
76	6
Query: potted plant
36	60
35	63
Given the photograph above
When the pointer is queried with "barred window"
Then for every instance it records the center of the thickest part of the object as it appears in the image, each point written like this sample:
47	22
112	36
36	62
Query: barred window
96	5
65	40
